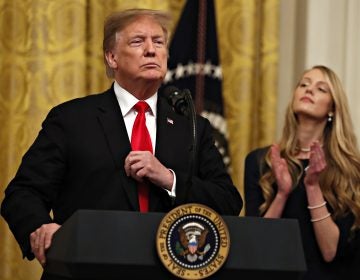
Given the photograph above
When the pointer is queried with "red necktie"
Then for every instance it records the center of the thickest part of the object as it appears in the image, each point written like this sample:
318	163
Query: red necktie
141	141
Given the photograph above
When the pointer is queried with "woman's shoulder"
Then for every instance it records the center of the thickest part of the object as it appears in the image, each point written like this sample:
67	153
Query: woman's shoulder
258	152
256	156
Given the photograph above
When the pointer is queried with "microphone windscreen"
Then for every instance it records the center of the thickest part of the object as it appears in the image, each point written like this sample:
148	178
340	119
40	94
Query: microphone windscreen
169	90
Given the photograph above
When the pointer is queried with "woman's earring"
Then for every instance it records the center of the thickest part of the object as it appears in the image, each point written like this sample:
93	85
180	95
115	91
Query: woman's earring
330	116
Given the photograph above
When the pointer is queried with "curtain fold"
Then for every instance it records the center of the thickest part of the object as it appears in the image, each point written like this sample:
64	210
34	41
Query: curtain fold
248	38
51	51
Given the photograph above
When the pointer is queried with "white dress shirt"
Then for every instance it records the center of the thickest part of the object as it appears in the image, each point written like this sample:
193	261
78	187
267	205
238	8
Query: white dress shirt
126	102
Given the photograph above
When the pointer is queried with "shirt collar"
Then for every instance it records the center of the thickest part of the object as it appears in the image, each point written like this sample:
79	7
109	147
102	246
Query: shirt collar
127	100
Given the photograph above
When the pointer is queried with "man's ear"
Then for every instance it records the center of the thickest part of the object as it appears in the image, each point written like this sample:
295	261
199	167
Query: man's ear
111	60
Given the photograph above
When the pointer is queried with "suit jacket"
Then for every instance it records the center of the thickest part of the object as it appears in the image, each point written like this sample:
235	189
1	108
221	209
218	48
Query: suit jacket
77	162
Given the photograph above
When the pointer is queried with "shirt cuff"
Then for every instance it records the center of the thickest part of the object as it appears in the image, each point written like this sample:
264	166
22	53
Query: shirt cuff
172	193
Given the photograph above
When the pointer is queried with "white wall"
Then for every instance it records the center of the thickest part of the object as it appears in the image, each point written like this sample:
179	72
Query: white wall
320	32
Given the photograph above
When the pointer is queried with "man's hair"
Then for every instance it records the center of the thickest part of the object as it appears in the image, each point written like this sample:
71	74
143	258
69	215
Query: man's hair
117	21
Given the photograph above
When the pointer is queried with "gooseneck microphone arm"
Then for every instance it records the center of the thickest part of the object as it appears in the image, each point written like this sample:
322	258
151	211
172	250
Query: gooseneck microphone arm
192	118
183	104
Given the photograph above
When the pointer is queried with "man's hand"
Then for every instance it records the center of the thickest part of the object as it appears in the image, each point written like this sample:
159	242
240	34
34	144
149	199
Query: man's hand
142	165
40	240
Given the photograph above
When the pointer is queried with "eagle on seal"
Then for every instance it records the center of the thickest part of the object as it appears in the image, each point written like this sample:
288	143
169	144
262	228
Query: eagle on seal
192	238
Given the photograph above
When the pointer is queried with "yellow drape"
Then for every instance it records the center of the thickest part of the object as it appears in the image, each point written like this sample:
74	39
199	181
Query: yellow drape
248	40
51	51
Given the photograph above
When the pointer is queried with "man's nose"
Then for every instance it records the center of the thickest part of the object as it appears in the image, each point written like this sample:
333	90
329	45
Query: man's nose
149	48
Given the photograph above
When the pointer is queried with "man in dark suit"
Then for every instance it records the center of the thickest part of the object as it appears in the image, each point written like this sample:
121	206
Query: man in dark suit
82	157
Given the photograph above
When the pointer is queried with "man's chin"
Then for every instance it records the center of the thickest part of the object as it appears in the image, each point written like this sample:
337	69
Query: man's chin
153	77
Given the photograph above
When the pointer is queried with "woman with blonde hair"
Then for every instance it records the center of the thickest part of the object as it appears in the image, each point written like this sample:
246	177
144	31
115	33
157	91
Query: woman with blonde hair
313	175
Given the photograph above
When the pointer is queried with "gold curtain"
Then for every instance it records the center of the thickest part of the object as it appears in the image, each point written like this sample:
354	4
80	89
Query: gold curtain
248	41
51	51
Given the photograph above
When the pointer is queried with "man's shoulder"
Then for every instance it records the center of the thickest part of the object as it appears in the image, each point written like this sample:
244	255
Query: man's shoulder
91	99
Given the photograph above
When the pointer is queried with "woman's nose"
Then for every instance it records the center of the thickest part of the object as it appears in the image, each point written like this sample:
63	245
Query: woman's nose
309	89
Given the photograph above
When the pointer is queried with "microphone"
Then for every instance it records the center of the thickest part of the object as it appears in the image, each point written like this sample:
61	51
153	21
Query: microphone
183	104
177	99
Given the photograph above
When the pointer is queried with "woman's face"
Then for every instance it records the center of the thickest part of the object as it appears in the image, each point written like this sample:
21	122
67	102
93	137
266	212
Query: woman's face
312	97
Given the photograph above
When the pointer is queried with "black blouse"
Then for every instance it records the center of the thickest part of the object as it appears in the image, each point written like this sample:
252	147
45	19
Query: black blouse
345	265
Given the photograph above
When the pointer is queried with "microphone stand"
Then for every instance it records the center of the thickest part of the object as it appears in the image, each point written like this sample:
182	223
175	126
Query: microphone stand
182	103
191	114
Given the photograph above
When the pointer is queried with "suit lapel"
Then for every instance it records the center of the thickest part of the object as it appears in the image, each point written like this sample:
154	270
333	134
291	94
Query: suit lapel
113	124
171	129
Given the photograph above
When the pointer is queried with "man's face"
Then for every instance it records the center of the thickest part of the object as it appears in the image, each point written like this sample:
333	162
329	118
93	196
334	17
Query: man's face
140	52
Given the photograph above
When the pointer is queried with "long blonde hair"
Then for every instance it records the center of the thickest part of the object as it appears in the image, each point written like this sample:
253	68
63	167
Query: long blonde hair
340	181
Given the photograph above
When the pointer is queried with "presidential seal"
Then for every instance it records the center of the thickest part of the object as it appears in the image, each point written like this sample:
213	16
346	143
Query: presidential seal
192	241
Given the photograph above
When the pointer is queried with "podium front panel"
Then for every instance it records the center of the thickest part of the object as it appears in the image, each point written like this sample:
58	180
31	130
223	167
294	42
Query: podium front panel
95	244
